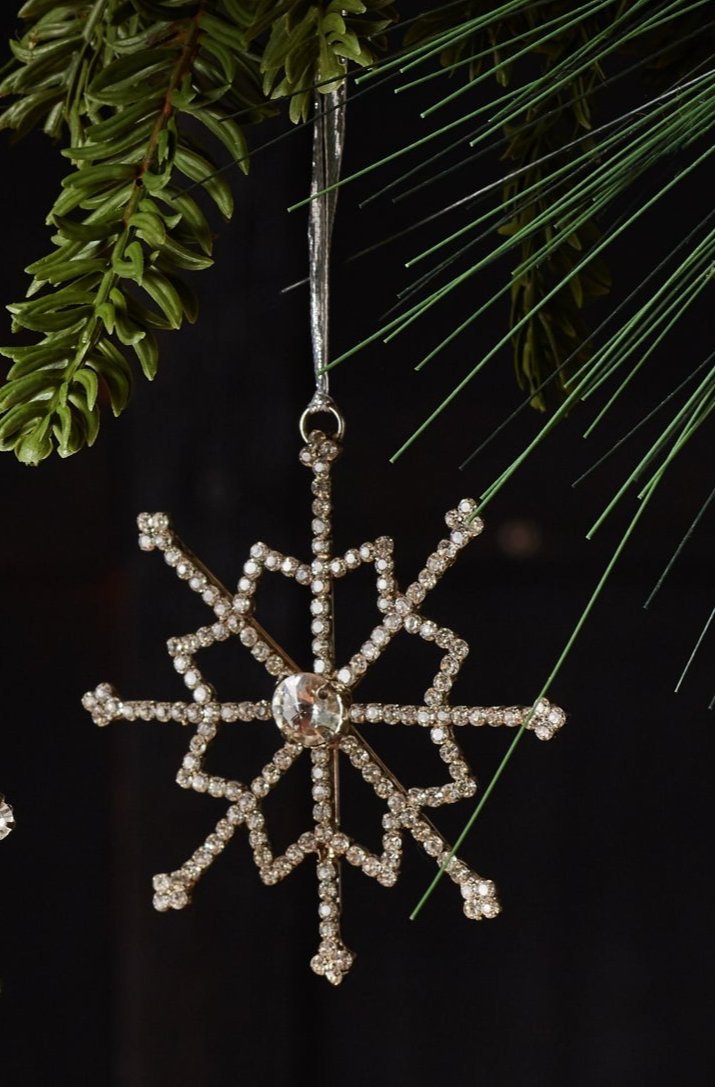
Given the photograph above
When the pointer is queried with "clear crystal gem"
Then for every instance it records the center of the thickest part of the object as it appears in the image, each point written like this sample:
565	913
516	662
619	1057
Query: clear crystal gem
311	710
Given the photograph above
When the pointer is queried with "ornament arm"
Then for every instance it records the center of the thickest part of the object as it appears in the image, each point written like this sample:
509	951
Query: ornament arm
480	895
543	719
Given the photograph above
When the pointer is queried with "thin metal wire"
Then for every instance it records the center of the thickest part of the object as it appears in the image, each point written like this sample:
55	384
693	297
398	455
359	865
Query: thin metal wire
696	647
643	422
681	546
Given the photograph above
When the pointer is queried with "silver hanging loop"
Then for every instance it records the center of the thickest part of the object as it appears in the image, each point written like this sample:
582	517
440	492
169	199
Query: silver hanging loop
328	140
321	404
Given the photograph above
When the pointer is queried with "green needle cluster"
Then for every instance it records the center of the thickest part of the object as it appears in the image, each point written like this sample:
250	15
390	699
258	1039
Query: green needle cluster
147	97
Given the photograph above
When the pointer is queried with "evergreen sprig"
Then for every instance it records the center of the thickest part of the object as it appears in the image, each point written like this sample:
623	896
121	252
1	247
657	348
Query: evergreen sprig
608	177
541	35
146	92
565	177
309	45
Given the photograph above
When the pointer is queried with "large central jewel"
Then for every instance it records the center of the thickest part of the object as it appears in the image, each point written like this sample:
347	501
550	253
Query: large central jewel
310	710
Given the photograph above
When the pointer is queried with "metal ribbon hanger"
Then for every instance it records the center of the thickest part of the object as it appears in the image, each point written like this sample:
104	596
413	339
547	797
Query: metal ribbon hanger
328	141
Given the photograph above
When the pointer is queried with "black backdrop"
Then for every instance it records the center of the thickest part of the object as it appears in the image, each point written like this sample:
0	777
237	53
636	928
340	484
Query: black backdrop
599	971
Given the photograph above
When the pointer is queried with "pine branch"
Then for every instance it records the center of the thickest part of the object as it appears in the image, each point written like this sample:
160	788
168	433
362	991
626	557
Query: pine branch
56	56
141	80
524	33
130	82
310	44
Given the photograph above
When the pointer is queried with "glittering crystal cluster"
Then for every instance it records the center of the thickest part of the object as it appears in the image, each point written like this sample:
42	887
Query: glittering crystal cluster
7	819
315	713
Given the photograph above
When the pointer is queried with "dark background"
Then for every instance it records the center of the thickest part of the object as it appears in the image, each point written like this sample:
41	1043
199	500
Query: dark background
600	969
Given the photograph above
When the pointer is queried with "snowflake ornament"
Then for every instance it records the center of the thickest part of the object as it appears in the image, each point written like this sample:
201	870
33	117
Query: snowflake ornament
316	713
7	818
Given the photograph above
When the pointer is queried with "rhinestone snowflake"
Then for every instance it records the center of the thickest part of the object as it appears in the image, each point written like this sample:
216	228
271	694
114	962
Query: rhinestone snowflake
316	711
7	818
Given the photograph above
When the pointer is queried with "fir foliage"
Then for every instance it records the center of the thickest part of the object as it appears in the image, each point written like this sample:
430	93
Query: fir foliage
310	44
545	130
145	91
148	97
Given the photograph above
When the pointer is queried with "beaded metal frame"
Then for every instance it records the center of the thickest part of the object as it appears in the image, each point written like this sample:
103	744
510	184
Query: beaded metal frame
404	807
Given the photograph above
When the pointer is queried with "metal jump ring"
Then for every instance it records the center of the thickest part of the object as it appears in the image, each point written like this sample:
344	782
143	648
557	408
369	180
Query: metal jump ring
325	408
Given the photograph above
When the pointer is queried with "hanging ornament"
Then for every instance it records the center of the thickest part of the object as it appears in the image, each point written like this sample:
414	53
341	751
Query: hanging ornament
7	818
316	713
